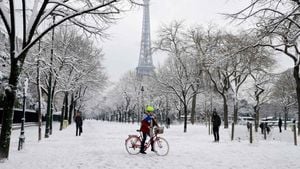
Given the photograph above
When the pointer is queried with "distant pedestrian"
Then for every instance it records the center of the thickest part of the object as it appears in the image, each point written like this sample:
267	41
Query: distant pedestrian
279	124
216	122
248	125
168	122
262	127
267	127
78	121
294	123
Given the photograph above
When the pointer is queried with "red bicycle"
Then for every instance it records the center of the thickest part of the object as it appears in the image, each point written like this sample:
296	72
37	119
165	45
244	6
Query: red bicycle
161	146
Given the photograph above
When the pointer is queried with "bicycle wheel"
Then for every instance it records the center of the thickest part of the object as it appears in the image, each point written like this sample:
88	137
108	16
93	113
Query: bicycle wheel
161	146
133	144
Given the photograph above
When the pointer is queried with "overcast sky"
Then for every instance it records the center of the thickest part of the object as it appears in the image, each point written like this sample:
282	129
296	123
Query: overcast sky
122	49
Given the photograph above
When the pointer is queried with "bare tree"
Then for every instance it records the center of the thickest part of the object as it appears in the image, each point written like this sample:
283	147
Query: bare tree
247	59
178	75
262	92
284	93
220	79
277	22
199	46
224	61
174	82
232	63
78	64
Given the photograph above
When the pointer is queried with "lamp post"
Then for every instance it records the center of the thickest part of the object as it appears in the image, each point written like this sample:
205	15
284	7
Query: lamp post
22	133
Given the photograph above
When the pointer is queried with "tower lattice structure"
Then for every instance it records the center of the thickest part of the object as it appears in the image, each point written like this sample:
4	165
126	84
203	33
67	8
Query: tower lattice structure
145	66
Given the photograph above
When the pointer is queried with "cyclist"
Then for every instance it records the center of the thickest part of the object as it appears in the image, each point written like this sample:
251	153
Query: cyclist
147	123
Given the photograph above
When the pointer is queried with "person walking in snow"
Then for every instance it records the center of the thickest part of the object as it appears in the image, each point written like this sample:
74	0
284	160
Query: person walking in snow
279	124
147	123
248	125
78	121
262	127
216	122
267	127
168	122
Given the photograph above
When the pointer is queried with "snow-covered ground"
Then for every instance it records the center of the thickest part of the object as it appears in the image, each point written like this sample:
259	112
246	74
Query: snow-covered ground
101	146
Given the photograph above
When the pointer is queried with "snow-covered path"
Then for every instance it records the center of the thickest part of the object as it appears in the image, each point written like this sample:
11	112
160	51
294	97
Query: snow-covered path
101	146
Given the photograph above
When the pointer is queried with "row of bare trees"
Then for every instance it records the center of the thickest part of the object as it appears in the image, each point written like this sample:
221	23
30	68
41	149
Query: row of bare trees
26	22
203	65
63	68
74	68
212	58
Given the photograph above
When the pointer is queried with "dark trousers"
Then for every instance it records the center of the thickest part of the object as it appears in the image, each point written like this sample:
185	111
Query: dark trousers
78	129
144	140
216	132
280	128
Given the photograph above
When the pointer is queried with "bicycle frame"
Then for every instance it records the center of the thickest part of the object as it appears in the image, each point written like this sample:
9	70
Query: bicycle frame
140	137
133	144
148	143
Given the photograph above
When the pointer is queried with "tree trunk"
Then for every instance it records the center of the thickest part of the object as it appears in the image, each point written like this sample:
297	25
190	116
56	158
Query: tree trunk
185	117
39	99
297	79
235	111
50	90
52	106
167	107
62	116
66	105
179	116
193	112
285	117
7	123
256	120
180	111
71	108
8	106
225	107
51	116
48	114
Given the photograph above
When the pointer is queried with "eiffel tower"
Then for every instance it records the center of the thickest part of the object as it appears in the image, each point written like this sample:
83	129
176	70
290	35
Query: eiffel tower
145	66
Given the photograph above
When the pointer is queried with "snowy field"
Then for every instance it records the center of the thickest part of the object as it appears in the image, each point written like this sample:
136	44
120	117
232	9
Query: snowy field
101	146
